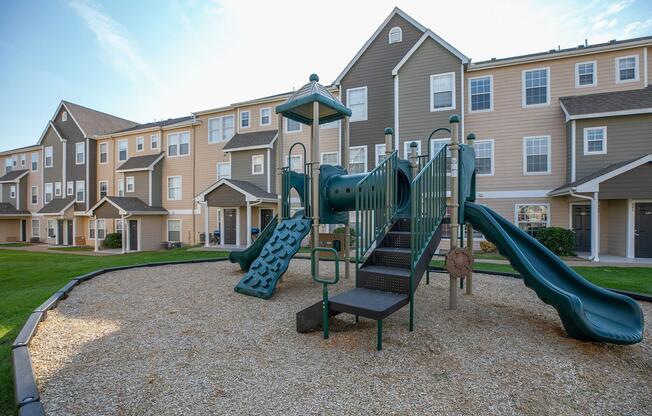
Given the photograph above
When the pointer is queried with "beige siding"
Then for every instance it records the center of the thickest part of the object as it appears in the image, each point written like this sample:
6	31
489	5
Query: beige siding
9	230
616	227
151	234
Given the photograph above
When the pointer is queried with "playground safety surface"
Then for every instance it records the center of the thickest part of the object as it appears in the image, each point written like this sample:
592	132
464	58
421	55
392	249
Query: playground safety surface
178	340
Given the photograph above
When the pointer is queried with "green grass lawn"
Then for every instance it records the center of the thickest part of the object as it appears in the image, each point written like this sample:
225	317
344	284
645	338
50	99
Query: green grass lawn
72	248
27	279
15	244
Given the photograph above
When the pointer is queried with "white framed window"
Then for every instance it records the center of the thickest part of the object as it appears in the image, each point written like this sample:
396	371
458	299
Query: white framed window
257	164
481	94
48	193
49	156
331	125
356	100
36	228
531	217
14	160
295	162
395	35
101	229
80	195
118	226
153	142
174	188
407	149
484	157
34	162
536	155
174	230
265	116
595	140
121	187
130	183
292	126
179	144
104	153
12	191
330	158
220	129
380	153
223	170
57	189
9	165
123	150
52	230
536	87
140	144
64	116
104	188
80	153
585	75
70	188
627	69
442	92
23	160
436	145
34	194
357	159
245	119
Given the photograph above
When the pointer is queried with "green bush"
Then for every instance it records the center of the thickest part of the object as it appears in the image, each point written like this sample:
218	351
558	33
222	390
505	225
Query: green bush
340	230
113	240
487	247
559	240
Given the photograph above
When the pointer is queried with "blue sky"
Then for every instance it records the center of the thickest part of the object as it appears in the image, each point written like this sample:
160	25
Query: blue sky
149	60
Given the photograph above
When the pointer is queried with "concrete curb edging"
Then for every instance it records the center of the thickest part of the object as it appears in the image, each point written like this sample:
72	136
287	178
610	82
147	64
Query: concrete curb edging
26	391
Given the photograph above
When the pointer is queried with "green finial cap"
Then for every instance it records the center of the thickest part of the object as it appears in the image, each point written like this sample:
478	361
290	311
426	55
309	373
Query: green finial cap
389	130
414	144
454	119
314	78
471	136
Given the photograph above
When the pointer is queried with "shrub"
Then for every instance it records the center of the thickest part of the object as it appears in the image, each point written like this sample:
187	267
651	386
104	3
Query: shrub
340	230
558	240
487	247
34	240
113	240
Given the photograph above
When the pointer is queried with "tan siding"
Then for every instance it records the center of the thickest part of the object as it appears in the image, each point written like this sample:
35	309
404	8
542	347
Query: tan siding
151	232
616	228
9	230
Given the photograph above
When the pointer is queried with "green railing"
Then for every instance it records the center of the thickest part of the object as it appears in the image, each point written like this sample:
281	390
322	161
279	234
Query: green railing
301	182
375	205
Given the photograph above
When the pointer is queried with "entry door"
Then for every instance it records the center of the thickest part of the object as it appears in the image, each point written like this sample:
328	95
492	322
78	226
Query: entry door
229	226
265	217
59	232
133	235
582	227
23	229
70	237
643	230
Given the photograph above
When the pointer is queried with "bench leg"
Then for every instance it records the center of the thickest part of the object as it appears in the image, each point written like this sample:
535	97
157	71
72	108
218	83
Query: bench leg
357	319
427	276
379	340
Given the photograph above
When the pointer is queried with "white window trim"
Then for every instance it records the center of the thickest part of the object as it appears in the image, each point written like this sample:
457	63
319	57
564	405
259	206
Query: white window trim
637	72
151	142
99	153
400	36
91	227
32	162
248	112
288	161
45	192
545	204
366	157
126	150
121	186
262	164
38	229
64	116
32	193
129	180
12	191
366	103
586	140
445	140
58	186
217	169
260	116
23	159
45	156
406	148
142	138
167	183
70	188
549	167
432	98
83	153
285	127
167	229
179	133
99	188
493	159
595	74
77	191
208	127
547	103
491	95
321	156
377	152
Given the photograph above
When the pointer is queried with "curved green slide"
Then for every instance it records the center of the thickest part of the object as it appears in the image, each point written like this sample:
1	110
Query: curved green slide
247	256
588	312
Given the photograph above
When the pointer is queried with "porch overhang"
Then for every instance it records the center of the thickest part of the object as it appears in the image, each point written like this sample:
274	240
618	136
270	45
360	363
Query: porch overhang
117	207
250	193
58	207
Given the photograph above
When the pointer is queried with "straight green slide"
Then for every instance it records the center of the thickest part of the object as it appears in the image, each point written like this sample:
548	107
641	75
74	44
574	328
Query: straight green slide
588	312
247	256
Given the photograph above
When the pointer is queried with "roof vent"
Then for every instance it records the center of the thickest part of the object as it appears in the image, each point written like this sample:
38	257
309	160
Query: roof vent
580	46
552	50
612	41
493	59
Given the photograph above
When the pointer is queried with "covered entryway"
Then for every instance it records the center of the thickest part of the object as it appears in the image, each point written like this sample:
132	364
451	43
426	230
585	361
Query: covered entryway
266	216
582	227
133	235
230	226
643	230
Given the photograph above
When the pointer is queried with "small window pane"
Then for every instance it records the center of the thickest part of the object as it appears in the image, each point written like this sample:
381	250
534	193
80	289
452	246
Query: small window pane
536	87
532	217
481	94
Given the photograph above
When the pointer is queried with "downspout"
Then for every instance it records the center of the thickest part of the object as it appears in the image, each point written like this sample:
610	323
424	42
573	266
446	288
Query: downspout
192	207
593	254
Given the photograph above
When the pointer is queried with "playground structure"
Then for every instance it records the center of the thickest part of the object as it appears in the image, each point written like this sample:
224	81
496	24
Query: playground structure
400	208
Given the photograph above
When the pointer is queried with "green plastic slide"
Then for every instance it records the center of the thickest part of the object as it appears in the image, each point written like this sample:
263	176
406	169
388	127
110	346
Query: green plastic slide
588	312
247	256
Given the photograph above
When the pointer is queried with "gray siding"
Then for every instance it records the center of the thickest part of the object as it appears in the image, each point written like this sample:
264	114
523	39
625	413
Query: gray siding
91	160
55	173
569	150
73	135
374	70
225	196
627	137
6	194
617	228
22	196
141	185
157	185
634	184
241	167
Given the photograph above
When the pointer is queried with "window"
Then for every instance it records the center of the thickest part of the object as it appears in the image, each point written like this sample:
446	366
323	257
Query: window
395	35
34	195
257	164
436	145
70	188
130	183
153	141
380	153
536	89
104	189
224	170
104	153
23	160
536	155
585	74
81	191
140	144
123	152
357	159
34	162
8	165
627	68
101	229
442	92
265	116
220	129
331	125
481	93
407	150
52	228
295	163
36	228
178	144
292	126
12	191
356	100
49	155
48	193
531	217
118	226
121	187
245	117
484	157
330	158
174	188
64	116
595	140
57	189
174	230
14	160
80	153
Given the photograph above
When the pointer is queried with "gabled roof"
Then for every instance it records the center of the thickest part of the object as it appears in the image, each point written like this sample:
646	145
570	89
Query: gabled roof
254	140
251	192
92	122
129	206
20	150
13	176
429	34
136	163
50	125
161	123
58	205
8	210
373	37
607	104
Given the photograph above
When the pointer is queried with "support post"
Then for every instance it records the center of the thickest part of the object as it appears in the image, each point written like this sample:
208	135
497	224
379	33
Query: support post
454	205
248	230
379	335
279	170
469	235
123	234
595	228
96	242
414	159
314	160
347	227
207	237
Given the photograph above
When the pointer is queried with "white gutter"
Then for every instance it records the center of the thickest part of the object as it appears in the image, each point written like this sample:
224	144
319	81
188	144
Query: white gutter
594	255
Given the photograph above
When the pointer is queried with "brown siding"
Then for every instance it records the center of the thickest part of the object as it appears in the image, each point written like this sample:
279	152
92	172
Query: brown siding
106	210
151	232
225	196
141	185
616	227
54	173
633	184
241	165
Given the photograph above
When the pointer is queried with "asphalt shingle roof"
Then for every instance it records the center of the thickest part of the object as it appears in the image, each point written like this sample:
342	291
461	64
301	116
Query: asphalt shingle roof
139	162
13	175
133	204
258	138
608	102
8	209
161	123
95	122
252	189
56	205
